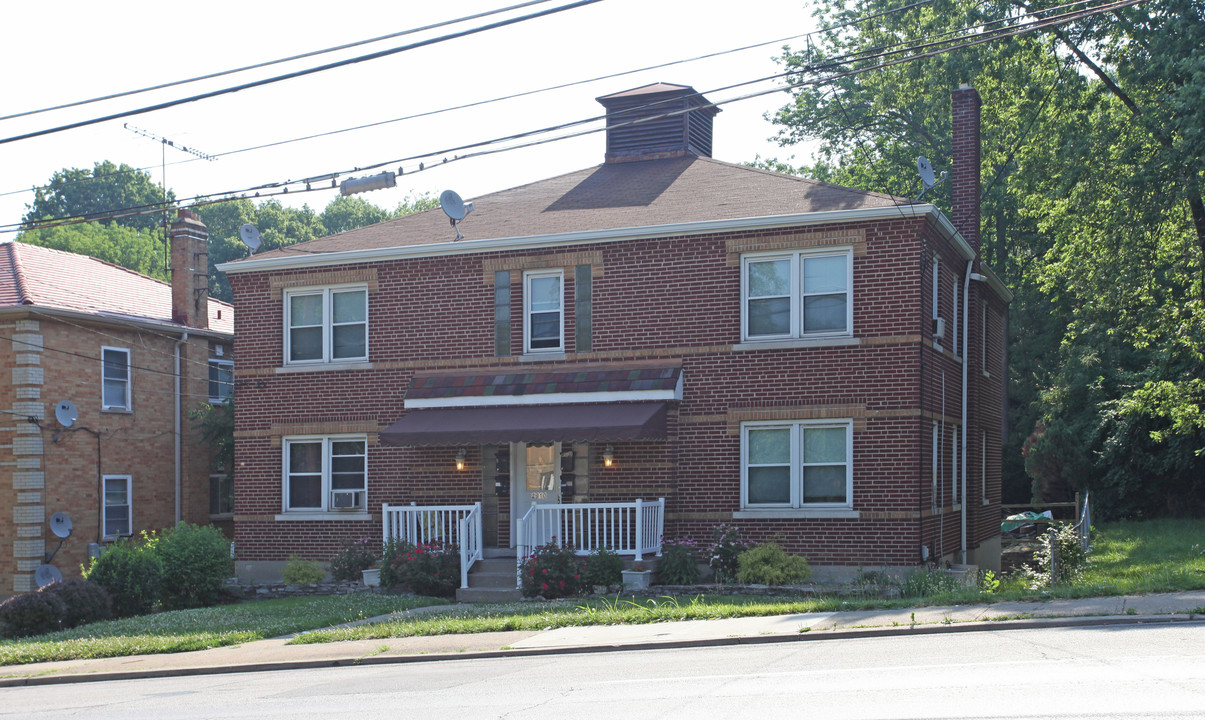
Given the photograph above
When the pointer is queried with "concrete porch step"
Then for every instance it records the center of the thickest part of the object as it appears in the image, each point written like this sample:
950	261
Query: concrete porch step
491	579
488	595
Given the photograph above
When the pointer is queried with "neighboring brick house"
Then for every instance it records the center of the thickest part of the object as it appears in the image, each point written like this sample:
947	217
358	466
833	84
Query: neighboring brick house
757	349
112	343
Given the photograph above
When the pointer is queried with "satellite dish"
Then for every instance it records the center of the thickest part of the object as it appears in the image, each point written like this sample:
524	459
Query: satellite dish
249	234
66	413
46	574
60	525
455	208
926	171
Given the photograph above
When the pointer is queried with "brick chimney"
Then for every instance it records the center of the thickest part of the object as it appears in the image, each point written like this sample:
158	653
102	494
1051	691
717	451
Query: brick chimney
965	180
190	271
686	131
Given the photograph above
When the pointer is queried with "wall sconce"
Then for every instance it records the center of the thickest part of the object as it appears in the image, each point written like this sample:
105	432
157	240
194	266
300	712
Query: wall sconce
460	459
608	456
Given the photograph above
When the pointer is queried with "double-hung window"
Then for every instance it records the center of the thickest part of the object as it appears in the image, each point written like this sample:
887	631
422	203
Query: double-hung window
115	379
221	380
325	473
326	325
543	311
798	294
796	464
116	513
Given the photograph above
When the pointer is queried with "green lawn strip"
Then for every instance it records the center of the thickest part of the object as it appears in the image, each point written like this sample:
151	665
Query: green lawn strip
201	628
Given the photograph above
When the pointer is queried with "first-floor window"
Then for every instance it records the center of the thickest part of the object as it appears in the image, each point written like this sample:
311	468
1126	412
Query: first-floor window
116	512
325	473
796	464
221	494
221	380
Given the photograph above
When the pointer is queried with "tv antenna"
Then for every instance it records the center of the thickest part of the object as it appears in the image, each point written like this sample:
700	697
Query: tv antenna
926	176
455	208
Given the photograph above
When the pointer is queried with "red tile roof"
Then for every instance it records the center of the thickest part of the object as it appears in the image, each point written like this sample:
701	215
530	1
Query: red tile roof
42	277
611	196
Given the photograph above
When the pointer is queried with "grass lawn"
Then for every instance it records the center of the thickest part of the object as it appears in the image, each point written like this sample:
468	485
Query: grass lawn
201	628
1126	558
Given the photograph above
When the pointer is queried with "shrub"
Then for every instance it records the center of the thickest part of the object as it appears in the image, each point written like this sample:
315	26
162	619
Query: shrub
353	557
131	572
196	562
299	571
679	564
551	571
603	566
1060	558
769	564
84	602
431	569
31	613
727	544
925	582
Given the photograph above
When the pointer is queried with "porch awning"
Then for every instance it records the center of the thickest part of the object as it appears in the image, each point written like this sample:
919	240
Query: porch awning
584	422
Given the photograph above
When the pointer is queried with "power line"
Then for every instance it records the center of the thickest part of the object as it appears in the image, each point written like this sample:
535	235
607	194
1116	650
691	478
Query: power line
299	73
269	63
1036	25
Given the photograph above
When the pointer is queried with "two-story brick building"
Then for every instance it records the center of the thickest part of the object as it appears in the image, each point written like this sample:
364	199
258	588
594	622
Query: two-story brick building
129	357
816	364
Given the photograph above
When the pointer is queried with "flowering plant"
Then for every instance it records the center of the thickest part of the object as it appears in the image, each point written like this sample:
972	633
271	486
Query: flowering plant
428	569
354	555
727	544
602	566
551	571
679	564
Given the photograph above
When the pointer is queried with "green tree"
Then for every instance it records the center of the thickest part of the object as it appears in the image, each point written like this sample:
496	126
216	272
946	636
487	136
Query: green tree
135	249
106	188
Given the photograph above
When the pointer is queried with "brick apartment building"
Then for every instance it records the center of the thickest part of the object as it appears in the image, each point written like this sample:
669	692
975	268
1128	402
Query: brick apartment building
113	344
815	364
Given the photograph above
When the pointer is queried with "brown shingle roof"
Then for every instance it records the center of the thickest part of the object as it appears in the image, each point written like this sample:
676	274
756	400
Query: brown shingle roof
615	195
42	277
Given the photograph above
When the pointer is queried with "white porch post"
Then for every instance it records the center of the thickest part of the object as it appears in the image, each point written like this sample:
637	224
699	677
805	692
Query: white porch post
639	530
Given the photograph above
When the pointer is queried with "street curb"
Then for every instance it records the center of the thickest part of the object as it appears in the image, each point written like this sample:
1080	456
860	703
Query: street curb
810	635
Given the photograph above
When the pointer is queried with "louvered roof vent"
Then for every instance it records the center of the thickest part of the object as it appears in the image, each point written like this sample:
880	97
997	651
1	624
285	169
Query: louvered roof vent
657	121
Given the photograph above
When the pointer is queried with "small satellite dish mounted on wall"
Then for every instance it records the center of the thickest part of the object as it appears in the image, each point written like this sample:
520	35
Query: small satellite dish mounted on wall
927	178
66	413
60	525
47	574
455	208
249	234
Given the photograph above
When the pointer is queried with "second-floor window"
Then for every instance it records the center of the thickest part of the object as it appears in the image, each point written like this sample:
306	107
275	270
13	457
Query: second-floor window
326	325
115	379
796	295
117	516
543	311
221	380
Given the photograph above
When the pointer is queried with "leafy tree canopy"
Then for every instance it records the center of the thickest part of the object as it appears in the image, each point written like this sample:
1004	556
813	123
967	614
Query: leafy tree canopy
80	192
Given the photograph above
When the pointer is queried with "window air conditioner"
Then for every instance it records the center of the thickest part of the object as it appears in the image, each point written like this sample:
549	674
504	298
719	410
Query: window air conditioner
939	327
342	499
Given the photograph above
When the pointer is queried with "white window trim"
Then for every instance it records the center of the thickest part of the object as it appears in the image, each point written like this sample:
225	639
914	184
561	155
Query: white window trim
796	503
129	386
797	294
326	292
326	508
229	365
105	480
527	278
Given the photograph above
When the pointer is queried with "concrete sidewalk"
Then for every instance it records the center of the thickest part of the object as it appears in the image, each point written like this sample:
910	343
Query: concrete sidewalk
276	654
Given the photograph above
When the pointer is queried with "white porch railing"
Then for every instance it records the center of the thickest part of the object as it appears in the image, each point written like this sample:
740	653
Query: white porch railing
633	528
456	524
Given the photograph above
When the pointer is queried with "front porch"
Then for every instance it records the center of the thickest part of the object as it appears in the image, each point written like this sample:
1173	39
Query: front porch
634	529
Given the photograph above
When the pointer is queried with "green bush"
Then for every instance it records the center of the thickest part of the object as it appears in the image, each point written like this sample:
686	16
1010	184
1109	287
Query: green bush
603	566
769	564
131	572
679	563
726	546
299	571
926	582
196	562
551	571
431	569
1060	558
31	613
84	602
353	557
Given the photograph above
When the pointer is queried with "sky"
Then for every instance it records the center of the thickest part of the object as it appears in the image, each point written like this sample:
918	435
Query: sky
56	53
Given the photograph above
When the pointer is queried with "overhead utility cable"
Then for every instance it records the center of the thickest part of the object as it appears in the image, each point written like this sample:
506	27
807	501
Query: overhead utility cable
300	73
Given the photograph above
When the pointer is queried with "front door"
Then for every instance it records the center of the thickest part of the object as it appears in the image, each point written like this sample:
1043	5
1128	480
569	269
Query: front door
535	478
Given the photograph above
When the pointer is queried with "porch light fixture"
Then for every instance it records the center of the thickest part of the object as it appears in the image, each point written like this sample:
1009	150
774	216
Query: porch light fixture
608	456
460	459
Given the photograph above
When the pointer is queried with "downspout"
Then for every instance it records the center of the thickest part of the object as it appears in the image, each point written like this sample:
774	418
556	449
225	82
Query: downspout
179	460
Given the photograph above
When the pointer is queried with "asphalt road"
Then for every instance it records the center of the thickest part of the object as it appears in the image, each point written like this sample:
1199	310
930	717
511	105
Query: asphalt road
1131	671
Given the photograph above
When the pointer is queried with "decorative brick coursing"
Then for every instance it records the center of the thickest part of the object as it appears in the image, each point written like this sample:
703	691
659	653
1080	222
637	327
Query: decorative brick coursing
566	261
28	445
23	583
836	237
29	514
282	281
28	375
29	548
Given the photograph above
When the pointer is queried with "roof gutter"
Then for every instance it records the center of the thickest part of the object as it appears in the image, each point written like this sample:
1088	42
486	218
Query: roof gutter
705	227
160	326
